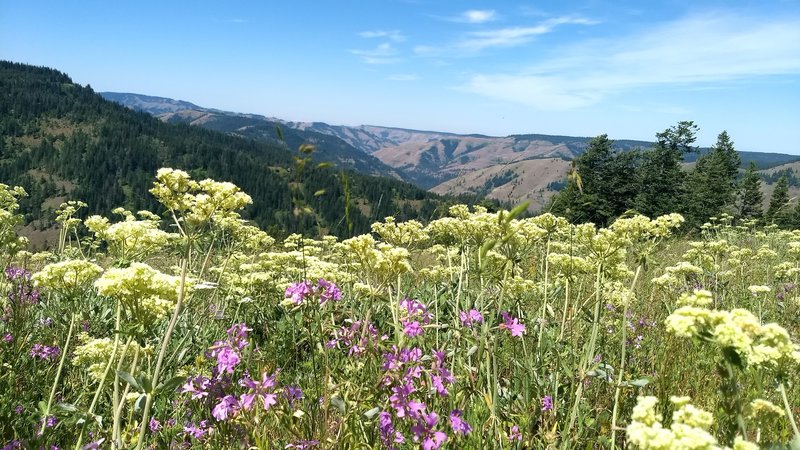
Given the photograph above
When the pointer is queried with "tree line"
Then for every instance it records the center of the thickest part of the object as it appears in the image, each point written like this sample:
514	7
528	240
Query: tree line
605	183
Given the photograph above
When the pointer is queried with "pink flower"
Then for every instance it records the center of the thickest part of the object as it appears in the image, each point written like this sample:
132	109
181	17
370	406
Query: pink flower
458	424
227	360
512	325
226	407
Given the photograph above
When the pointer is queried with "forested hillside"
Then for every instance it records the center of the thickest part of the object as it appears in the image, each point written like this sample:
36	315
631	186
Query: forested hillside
61	140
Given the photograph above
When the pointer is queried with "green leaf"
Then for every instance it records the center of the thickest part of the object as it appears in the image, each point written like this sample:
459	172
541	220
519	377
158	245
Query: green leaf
472	350
170	385
338	403
68	407
130	380
371	413
519	209
319	193
641	382
146	383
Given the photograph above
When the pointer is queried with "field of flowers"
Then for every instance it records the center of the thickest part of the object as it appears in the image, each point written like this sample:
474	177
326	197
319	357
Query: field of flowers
478	330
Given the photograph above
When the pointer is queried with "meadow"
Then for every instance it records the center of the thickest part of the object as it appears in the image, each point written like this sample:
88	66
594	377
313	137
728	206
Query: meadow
196	329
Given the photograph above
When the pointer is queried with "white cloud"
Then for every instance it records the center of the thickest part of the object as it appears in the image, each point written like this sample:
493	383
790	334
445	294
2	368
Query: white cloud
393	35
476	41
693	51
477	16
404	77
382	54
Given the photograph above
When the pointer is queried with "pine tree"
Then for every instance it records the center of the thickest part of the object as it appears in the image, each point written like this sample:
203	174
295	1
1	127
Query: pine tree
778	211
711	188
661	177
750	193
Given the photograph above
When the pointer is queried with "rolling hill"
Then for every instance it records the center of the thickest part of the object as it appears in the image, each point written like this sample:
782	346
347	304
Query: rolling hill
61	140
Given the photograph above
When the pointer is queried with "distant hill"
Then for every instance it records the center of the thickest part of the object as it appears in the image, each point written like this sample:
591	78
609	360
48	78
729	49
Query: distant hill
328	148
60	140
511	168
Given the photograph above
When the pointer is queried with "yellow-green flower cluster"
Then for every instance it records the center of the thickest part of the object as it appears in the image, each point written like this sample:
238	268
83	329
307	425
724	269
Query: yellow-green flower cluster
146	294
130	239
67	277
409	234
197	202
689	428
757	345
94	353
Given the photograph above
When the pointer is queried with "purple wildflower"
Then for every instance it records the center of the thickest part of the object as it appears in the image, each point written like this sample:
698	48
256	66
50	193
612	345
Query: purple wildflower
45	352
227	407
227	359
298	292
411	328
458	424
329	291
292	394
94	444
514	434
197	386
547	403
197	432
8	338
424	430
470	318
154	424
389	435
512	325
259	390
237	335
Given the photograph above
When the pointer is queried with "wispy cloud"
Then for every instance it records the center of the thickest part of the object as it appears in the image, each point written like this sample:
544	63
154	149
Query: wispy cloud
476	16
404	77
476	41
392	35
382	54
694	51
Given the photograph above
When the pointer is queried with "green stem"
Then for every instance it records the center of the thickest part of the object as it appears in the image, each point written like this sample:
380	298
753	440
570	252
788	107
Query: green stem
789	411
624	347
64	352
163	350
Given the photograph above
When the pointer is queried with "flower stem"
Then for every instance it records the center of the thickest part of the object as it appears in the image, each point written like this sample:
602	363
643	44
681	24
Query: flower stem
58	372
789	411
163	350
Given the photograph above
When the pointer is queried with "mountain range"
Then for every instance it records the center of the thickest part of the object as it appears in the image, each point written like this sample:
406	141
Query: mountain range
511	168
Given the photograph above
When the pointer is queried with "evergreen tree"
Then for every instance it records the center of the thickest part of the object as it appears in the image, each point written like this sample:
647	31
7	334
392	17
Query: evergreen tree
660	176
778	211
599	188
750	193
711	188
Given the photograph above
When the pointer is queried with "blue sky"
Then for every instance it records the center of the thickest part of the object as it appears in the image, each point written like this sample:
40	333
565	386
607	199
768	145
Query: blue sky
581	68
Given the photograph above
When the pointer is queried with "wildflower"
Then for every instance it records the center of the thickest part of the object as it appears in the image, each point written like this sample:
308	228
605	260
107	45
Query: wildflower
45	352
154	425
412	328
195	431
512	325
8	338
759	289
292	394
424	430
94	444
237	334
514	434
458	424
227	359
547	403
227	406
197	386
298	292
329	291
259	389
471	317
388	433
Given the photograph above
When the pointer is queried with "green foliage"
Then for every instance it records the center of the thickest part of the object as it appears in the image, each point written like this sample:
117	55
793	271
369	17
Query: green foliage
778	212
750	194
711	186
